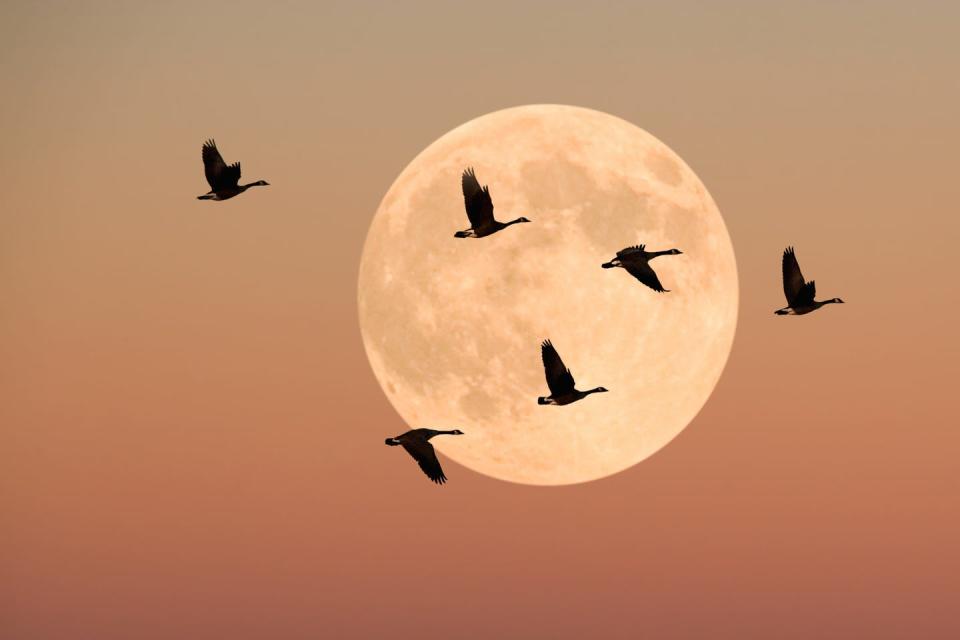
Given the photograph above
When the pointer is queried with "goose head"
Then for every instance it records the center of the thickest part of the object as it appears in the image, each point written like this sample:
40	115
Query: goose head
835	301
674	252
456	432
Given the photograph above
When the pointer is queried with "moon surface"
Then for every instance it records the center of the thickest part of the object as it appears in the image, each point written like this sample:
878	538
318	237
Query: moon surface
452	327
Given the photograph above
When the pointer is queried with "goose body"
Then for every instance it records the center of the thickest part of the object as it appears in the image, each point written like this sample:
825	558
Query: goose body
417	443
563	388
479	206
799	293
223	178
636	261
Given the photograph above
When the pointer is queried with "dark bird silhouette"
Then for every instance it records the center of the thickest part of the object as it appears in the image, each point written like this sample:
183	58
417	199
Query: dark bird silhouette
223	177
479	207
559	379
636	260
417	444
799	293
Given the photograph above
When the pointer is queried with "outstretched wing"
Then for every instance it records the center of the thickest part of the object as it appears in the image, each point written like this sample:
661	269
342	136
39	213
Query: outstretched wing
559	379
219	174
631	250
642	271
422	451
795	289
477	200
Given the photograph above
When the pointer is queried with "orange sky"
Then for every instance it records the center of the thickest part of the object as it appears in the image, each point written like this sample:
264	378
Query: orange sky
192	437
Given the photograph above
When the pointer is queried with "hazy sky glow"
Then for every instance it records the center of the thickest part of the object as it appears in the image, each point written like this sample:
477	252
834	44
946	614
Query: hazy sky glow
192	436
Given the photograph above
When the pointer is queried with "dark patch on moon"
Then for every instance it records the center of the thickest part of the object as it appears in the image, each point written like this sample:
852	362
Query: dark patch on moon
664	168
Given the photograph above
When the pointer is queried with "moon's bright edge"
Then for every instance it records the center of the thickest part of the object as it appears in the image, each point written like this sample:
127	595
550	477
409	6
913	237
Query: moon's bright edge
452	327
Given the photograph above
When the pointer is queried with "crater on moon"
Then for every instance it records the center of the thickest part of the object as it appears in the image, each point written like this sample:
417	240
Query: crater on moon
452	327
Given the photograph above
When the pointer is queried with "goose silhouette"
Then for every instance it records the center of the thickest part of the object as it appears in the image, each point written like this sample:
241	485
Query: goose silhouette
417	444
559	379
799	293
636	260
479	207
223	178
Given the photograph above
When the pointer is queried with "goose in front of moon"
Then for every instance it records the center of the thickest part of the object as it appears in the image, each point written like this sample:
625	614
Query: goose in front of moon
563	388
636	260
479	206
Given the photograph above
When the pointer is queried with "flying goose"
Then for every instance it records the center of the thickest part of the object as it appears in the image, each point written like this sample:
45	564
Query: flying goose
559	379
417	444
479	209
636	260
223	177
799	293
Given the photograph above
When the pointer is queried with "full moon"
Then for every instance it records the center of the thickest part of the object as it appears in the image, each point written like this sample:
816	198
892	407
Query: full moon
452	327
